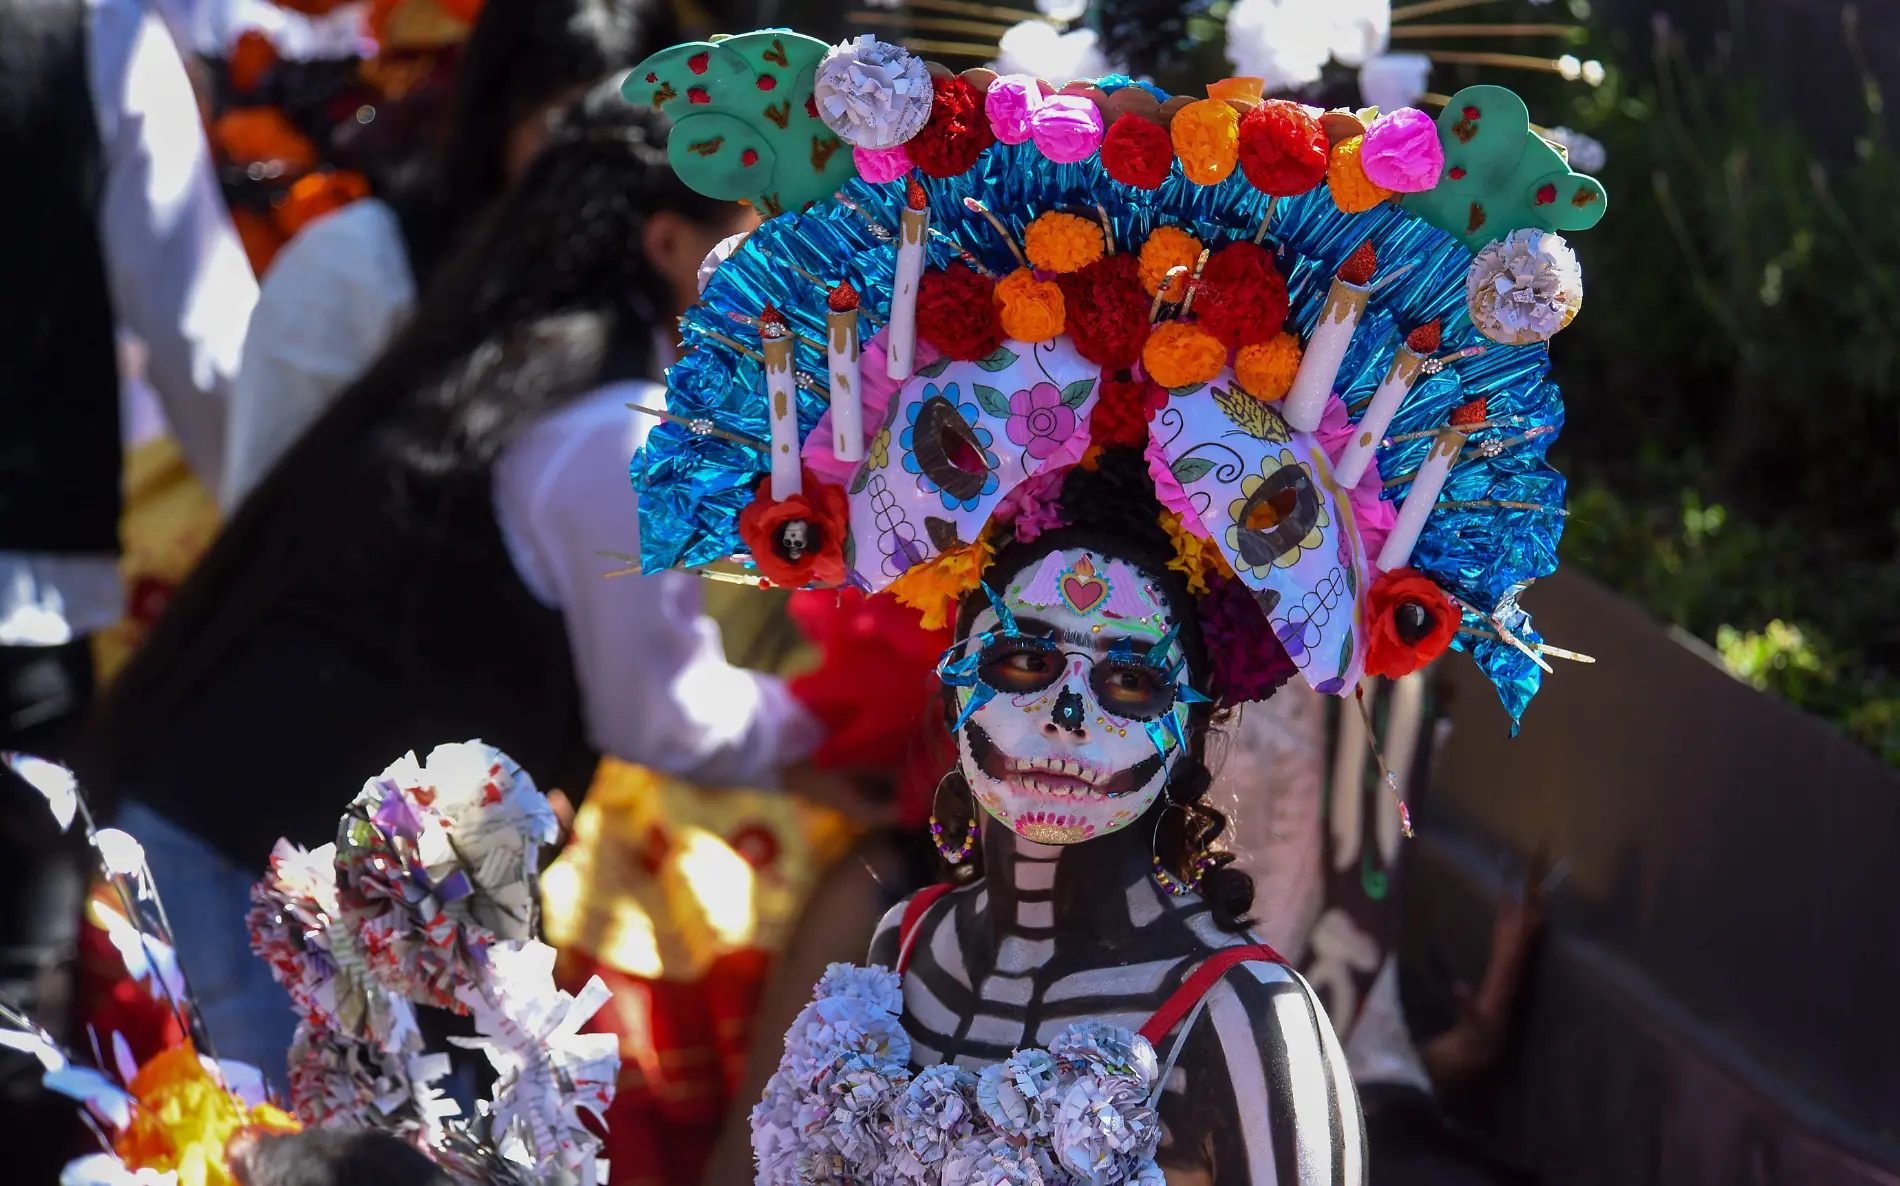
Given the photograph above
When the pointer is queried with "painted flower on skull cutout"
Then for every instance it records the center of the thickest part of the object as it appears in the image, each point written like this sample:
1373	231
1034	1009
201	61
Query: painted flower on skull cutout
880	451
1278	517
947	447
1039	421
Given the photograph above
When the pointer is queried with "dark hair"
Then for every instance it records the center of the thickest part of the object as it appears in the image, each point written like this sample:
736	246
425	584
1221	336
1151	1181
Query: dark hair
1112	509
521	57
550	297
330	1157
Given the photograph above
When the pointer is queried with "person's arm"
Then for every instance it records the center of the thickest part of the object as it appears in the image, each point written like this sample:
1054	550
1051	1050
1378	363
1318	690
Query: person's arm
179	277
655	686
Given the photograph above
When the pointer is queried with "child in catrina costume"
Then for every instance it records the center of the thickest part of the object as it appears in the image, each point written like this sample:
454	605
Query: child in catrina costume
1156	402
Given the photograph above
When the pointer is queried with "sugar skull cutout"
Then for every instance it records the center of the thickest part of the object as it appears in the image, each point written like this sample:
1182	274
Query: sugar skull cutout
1266	496
958	437
1072	694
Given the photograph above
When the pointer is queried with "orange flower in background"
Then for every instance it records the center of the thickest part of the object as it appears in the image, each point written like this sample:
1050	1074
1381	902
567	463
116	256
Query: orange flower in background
184	1119
255	135
933	587
316	194
421	24
800	540
1409	623
251	58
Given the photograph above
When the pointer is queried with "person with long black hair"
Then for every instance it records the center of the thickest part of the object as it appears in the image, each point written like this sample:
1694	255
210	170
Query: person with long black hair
422	567
337	292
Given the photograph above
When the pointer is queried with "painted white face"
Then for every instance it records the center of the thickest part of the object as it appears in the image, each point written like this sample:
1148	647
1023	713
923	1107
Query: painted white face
1085	723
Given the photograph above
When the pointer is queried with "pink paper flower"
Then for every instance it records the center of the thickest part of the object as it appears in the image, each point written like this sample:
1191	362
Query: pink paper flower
1374	514
879	165
1039	421
1067	128
1010	102
1402	152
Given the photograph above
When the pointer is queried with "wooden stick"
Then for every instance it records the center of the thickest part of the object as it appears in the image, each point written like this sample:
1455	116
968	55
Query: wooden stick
1427	32
1542	648
701	428
1432	8
1507	61
928	24
978	207
960	48
995	12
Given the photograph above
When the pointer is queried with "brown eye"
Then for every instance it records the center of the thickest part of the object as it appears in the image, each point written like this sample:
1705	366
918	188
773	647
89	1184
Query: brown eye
1135	691
1021	667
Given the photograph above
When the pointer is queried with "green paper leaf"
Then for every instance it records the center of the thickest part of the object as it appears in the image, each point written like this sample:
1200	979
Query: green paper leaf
932	371
860	479
1190	470
1001	360
1345	654
1178	392
991	400
1076	392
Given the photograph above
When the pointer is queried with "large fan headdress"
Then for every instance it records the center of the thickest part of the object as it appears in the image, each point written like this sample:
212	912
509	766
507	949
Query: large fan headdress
1325	330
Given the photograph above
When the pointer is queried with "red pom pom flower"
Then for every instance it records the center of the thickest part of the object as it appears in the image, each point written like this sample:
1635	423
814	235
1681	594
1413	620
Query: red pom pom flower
1107	311
1122	412
1137	152
1409	620
1243	298
1283	150
799	541
955	135
956	313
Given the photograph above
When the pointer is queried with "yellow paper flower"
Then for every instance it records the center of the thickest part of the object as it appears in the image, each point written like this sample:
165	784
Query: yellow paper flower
1180	355
1206	135
1168	247
1058	242
1266	369
1031	310
1193	556
184	1119
934	587
1353	191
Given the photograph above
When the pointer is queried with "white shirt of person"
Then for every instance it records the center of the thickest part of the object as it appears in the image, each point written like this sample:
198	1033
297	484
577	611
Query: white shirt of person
179	281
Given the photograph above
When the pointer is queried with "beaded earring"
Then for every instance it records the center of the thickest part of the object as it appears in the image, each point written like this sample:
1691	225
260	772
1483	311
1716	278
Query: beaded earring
957	855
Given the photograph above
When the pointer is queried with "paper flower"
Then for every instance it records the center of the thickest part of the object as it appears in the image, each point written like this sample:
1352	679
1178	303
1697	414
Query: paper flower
1243	298
879	986
1066	128
1401	152
1353	192
935	1114
1524	288
1107	311
289	922
1266	369
1167	248
859	1091
871	93
1063	10
1284	43
1248	661
1410	622
1123	410
1008	104
1099	1049
1104	1129
1059	242
800	540
1018	1095
1030	310
1282	148
1036	48
1137	151
1206	140
956	133
956	313
881	165
1179	354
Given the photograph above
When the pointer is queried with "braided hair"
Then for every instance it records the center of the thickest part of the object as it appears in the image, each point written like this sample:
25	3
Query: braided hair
1111	509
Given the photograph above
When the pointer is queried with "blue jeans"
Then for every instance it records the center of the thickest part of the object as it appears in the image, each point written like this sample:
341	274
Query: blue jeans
206	897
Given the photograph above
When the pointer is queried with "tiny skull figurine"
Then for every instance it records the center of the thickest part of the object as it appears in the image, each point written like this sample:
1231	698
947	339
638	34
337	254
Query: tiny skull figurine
794	540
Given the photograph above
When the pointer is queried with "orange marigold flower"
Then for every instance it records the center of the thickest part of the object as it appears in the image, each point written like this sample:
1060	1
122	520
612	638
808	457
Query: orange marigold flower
316	194
1168	247
1353	191
1266	369
1178	354
1058	242
934	587
1206	136
1031	310
255	135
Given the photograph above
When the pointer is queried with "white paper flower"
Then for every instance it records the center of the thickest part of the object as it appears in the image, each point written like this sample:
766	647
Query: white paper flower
1586	154
51	780
878	985
1524	287
1035	48
1063	10
1392	81
873	94
1287	42
122	854
1018	1095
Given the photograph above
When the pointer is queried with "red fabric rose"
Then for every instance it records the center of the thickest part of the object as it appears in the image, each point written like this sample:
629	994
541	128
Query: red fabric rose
1107	311
1137	152
956	133
956	313
1283	150
1410	622
1122	412
786	559
1242	300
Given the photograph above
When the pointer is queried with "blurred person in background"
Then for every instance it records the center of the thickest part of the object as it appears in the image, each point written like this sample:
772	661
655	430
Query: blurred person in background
337	293
112	219
422	565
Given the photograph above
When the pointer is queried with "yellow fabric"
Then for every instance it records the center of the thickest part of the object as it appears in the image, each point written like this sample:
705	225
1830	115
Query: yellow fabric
168	522
663	876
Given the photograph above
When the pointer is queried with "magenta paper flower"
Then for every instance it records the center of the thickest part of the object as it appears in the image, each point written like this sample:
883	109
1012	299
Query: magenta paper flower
1039	421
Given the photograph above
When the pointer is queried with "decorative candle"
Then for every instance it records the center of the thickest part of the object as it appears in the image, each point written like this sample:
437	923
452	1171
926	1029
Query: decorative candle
1326	349
781	401
900	345
1427	484
841	352
1407	365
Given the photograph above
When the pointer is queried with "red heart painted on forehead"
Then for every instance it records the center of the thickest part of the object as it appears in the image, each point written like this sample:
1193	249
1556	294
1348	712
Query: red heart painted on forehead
1083	593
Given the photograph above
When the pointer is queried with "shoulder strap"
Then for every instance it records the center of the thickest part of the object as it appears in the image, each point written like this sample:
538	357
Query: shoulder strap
1199	982
914	911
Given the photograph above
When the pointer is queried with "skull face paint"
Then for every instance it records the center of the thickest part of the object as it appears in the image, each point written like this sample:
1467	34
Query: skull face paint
1076	712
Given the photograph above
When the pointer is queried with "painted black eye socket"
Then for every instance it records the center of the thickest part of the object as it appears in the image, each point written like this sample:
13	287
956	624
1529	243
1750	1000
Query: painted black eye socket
1278	515
1019	665
1131	689
947	451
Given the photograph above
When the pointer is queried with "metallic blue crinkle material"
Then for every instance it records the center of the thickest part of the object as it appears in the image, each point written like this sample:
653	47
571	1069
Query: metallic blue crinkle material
692	488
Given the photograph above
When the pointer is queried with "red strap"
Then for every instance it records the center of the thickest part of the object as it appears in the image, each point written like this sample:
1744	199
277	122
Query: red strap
914	909
1197	986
